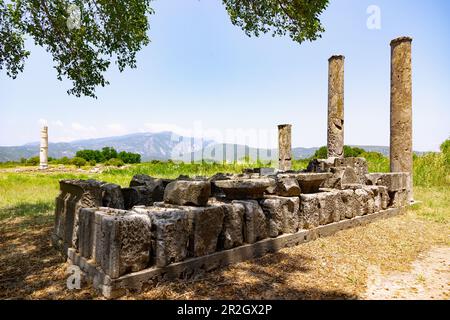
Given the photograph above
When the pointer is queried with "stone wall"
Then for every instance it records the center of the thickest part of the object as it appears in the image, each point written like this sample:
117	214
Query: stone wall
155	223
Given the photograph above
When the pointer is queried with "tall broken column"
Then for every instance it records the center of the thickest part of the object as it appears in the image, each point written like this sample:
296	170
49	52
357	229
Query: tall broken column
335	132
284	147
43	154
401	151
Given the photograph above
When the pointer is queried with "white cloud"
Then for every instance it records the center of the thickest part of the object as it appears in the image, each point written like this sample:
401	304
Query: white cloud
58	123
116	128
79	127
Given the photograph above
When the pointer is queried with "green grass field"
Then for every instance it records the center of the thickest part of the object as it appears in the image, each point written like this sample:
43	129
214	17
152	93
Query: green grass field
31	269
33	193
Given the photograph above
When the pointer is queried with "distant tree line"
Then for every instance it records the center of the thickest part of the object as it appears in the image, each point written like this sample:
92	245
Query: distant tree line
108	154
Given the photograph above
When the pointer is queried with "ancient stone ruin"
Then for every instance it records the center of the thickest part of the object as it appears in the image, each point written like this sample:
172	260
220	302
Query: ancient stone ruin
127	239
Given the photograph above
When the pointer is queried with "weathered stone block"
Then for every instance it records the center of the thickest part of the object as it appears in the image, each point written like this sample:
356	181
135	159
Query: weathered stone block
320	165
241	189
393	181
309	211
170	234
155	186
255	221
352	205
137	196
74	195
398	198
330	207
341	178
282	213
287	186
359	165
86	232
194	193
233	224
205	226
112	196
123	242
311	182
363	197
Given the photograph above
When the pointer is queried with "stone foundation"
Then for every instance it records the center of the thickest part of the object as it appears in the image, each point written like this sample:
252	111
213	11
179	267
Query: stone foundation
201	224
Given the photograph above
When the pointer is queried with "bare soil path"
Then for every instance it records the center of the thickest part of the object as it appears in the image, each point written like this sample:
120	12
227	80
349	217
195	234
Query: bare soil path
428	279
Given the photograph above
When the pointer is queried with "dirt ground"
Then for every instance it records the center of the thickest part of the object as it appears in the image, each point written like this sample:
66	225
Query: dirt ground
428	279
403	257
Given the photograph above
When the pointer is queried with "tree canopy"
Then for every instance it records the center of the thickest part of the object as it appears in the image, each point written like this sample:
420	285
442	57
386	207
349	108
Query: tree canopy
85	36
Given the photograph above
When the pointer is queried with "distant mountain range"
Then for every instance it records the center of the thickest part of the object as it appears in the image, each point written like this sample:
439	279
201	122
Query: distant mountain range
161	146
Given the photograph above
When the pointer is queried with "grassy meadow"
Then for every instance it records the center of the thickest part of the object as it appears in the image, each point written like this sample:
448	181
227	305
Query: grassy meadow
31	268
32	193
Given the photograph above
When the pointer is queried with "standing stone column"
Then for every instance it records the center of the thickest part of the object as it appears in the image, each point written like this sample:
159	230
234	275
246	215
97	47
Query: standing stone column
335	133
284	147
401	151
43	154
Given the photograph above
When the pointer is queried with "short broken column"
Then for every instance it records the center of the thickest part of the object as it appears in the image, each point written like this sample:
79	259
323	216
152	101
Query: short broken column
43	154
335	133
401	153
284	147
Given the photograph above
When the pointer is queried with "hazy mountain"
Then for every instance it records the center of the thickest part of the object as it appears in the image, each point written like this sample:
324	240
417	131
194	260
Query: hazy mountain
162	146
158	146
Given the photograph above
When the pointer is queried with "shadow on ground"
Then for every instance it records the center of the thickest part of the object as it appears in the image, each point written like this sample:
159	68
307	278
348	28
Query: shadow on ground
31	269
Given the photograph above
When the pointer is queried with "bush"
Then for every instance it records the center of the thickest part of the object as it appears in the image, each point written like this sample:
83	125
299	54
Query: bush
34	161
115	162
79	162
349	152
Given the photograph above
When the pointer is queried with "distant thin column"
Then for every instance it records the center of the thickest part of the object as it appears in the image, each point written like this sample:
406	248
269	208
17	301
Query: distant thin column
43	154
284	147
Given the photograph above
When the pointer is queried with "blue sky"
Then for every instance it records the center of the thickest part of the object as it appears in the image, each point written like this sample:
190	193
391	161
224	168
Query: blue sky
201	75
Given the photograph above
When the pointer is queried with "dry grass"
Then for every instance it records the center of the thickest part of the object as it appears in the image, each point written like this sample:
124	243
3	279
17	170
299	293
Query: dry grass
329	268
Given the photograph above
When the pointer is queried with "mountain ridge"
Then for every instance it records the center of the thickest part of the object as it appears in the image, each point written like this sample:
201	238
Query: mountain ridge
161	146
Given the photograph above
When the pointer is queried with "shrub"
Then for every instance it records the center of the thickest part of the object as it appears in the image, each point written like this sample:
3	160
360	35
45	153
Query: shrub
34	161
115	162
79	162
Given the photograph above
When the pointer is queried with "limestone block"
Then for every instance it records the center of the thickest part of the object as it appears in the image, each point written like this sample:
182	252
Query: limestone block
320	165
287	186
86	232
282	213
156	186
309	213
233	224
170	234
122	241
74	195
194	193
136	196
112	196
205	226
359	165
255	221
398	198
351	203
311	182
242	189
